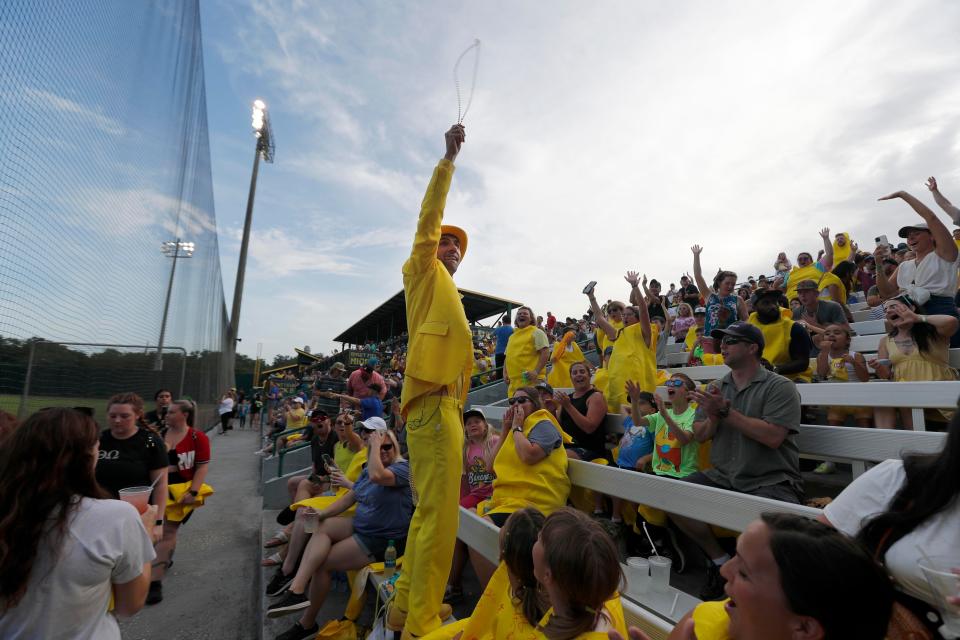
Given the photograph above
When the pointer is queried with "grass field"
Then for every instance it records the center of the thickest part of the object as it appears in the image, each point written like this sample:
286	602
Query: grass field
11	403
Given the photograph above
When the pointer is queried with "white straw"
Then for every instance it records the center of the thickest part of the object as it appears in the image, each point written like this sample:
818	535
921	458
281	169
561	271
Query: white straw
650	540
673	607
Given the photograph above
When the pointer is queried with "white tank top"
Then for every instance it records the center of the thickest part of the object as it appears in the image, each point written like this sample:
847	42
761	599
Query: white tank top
933	273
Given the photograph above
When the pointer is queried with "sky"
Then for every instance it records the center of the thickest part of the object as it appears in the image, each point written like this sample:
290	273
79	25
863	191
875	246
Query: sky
601	137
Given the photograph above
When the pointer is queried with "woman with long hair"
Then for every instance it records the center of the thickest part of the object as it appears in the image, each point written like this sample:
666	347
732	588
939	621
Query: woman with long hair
916	349
578	585
723	306
527	354
903	510
792	578
64	547
133	456
188	452
581	416
384	502
683	321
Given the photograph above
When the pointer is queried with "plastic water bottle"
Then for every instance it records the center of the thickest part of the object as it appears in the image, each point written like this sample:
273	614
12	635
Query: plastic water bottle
389	561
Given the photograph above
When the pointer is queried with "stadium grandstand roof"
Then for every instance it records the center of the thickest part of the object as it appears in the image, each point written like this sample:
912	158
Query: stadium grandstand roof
390	318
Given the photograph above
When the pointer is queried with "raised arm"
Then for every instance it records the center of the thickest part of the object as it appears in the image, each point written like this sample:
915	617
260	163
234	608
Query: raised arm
598	316
634	279
427	239
827	260
887	286
698	272
942	201
946	248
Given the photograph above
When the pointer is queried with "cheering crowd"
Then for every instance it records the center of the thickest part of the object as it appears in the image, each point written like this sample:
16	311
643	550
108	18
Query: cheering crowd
785	575
396	451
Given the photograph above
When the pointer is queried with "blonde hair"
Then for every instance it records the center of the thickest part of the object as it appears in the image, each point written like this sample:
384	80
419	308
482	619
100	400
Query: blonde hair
487	445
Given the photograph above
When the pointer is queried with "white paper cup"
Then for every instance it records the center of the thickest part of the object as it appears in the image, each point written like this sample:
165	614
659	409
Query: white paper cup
660	572
310	520
638	575
944	583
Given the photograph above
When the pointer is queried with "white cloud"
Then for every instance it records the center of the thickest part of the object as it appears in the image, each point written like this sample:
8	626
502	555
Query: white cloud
614	136
92	117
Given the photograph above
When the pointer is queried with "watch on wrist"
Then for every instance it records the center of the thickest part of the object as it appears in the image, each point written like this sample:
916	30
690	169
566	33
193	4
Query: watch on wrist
723	413
518	429
159	522
194	493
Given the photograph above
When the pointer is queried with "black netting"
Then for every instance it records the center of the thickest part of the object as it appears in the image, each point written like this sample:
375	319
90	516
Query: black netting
104	155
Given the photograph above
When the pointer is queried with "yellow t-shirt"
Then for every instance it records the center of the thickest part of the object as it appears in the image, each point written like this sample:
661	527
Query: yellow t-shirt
841	253
632	360
523	354
711	621
799	274
296	418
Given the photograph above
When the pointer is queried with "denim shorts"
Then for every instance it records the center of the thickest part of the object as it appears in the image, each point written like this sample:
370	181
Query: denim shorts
375	547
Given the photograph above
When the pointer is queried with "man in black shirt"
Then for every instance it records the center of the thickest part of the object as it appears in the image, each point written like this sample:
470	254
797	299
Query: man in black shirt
322	438
691	295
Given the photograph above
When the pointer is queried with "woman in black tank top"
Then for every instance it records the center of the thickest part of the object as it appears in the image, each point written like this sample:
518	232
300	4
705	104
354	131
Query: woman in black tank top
582	414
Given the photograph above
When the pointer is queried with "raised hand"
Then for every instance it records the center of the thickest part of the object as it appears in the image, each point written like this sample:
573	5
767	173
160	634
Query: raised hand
696	249
633	389
644	279
455	137
932	184
825	233
632	277
659	400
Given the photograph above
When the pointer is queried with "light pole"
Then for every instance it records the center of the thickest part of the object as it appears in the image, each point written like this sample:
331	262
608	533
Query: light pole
265	149
175	250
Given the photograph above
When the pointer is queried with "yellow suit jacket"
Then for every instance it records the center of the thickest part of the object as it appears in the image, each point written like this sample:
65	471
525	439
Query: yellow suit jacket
440	349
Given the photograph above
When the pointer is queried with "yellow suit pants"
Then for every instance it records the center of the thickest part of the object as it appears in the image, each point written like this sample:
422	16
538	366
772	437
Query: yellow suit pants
435	445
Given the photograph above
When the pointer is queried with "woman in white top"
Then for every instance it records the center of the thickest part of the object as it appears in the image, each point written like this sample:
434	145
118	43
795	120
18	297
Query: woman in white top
931	278
226	411
903	509
64	549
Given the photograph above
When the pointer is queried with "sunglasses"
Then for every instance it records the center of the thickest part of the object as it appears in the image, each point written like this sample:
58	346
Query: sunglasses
727	340
387	446
519	399
673	383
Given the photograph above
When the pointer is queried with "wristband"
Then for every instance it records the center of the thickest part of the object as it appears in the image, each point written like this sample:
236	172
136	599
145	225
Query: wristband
158	523
193	493
518	429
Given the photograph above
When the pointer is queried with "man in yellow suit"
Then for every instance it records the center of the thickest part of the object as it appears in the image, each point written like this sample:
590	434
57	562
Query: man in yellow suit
437	379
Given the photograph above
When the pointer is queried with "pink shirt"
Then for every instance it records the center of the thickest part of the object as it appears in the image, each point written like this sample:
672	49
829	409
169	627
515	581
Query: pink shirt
477	478
358	387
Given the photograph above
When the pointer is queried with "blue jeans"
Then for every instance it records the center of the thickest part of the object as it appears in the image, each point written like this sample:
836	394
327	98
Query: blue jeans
943	305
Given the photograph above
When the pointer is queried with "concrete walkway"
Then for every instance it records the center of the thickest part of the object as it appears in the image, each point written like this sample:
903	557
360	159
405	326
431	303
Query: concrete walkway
212	590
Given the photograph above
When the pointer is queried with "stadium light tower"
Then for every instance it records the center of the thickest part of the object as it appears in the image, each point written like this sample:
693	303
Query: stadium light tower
175	250
264	148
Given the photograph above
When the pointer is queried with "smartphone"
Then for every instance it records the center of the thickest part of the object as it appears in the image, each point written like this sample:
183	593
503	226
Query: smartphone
882	241
329	463
587	290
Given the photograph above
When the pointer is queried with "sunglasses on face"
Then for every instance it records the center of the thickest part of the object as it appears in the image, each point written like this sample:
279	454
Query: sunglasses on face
518	400
673	383
727	340
387	446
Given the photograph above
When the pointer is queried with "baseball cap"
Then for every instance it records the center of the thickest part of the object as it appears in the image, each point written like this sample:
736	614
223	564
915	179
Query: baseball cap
807	285
701	310
920	226
318	414
338	366
740	329
374	424
298	399
543	386
474	412
458	233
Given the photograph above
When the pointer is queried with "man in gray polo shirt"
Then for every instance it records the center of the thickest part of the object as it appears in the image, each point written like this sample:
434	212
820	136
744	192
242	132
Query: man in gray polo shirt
752	417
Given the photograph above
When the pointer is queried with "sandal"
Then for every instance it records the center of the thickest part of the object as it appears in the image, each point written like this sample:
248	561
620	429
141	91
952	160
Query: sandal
279	539
273	560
